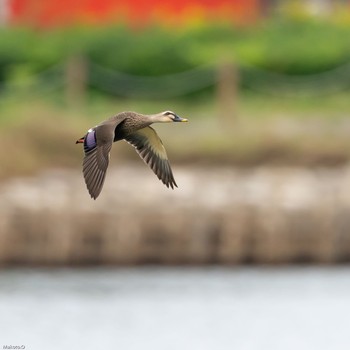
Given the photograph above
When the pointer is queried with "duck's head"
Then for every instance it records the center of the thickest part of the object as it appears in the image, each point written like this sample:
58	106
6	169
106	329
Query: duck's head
168	117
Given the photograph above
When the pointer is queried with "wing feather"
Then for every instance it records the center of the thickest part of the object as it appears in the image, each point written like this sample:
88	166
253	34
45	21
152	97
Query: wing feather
151	149
95	165
97	146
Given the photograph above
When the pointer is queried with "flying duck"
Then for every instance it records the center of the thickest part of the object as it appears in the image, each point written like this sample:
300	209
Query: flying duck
135	129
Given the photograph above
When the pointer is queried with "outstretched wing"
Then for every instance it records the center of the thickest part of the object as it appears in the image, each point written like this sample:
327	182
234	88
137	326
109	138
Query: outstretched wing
150	148
95	162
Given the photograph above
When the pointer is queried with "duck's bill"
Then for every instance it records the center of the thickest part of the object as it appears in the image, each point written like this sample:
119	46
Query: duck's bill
179	119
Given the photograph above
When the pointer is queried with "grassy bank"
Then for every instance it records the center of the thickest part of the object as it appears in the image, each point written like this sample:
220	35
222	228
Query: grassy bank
38	133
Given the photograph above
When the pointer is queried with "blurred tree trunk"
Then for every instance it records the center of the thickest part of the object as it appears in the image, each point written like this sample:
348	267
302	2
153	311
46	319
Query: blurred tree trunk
76	80
227	91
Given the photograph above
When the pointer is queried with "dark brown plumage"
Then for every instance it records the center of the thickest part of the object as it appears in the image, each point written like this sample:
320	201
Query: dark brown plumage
135	129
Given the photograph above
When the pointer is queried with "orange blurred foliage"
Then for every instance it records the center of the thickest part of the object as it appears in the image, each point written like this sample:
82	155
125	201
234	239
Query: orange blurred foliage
56	13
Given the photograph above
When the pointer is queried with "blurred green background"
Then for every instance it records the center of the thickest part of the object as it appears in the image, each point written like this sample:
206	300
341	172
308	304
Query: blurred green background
279	83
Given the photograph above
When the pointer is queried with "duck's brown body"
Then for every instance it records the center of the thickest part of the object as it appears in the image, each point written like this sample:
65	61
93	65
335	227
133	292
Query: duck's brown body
135	129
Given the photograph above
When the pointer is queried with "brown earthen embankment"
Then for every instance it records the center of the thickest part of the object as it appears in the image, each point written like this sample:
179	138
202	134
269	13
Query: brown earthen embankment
267	215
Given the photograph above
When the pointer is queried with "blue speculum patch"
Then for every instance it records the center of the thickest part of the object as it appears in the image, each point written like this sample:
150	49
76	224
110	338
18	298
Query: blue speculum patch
90	140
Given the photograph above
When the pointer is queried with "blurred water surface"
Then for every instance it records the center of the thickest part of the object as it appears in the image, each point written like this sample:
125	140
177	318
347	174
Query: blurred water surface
176	308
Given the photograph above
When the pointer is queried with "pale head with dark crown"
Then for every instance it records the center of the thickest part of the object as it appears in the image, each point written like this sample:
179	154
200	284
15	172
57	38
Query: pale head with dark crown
169	116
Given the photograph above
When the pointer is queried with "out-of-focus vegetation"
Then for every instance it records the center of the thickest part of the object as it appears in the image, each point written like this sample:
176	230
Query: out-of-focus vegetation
300	46
38	127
